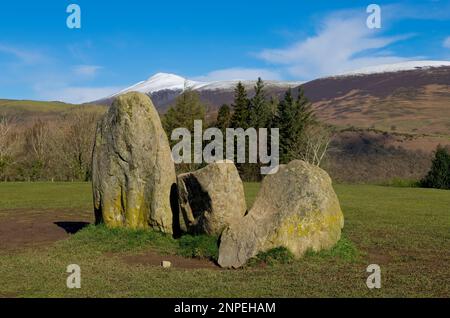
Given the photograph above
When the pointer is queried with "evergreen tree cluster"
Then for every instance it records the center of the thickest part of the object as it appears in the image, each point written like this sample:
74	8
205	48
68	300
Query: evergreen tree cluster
439	175
187	108
291	115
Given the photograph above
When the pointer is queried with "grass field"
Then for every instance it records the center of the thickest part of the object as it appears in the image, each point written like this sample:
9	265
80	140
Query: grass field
404	230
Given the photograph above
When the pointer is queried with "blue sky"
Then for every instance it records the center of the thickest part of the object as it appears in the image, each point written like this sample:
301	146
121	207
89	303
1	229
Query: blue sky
123	42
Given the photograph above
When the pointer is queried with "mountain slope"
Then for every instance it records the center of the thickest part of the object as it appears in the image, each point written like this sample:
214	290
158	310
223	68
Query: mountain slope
409	97
410	101
164	88
397	67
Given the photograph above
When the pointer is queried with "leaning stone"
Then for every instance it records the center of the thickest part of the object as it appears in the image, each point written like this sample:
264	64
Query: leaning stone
211	198
133	171
296	208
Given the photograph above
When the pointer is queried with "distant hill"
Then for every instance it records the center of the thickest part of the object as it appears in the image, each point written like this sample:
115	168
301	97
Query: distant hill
164	89
410	101
27	110
9	105
389	118
411	97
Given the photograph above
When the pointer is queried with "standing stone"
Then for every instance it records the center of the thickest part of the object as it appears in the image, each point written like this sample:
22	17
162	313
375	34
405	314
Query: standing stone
133	171
296	208
211	198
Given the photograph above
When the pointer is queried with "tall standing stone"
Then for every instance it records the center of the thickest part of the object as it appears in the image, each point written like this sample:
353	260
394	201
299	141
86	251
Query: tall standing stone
133	171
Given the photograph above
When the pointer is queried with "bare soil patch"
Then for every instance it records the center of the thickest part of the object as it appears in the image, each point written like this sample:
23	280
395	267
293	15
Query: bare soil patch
25	228
153	258
28	228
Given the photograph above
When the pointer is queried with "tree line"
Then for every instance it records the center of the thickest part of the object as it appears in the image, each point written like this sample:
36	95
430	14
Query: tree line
302	136
56	148
59	147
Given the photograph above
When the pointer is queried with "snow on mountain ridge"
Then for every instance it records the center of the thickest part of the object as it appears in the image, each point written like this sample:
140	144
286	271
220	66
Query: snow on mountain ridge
395	67
161	81
167	81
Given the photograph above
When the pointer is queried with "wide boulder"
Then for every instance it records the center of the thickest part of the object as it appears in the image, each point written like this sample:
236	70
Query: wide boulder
211	198
296	208
133	172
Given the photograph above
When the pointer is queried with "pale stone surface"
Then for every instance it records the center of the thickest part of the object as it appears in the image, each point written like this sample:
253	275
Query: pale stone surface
166	264
133	171
296	208
211	198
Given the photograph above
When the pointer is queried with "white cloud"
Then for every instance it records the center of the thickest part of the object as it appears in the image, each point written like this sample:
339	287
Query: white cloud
76	95
342	43
446	43
47	78
238	73
25	56
86	70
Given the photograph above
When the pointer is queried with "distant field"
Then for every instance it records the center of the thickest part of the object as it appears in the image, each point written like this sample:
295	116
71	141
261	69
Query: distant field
404	230
32	106
28	109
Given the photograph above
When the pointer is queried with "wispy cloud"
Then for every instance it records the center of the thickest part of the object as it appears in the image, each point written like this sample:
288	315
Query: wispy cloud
342	43
86	70
76	95
237	73
446	43
23	55
49	78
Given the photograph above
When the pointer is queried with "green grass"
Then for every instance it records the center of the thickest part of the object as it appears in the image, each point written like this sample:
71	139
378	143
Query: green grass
102	239
251	190
402	183
45	195
345	250
404	230
276	256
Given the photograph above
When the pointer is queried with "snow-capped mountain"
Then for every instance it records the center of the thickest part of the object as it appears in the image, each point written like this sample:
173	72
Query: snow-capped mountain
339	99
162	81
164	88
173	82
396	67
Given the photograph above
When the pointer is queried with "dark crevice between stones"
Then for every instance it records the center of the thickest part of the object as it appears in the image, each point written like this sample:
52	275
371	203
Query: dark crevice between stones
175	207
199	202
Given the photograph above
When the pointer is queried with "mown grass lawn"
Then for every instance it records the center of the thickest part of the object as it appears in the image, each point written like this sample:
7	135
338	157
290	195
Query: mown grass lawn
404	230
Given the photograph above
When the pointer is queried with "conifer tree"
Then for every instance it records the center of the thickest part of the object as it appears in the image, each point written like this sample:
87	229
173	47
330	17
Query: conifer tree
294	115
187	108
259	107
439	175
240	116
224	117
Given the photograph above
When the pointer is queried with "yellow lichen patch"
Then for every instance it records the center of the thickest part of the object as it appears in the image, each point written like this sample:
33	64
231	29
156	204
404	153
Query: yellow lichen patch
136	211
113	213
317	230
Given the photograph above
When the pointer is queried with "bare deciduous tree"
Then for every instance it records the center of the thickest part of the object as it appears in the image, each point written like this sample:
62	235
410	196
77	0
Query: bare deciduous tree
7	142
75	142
314	145
37	148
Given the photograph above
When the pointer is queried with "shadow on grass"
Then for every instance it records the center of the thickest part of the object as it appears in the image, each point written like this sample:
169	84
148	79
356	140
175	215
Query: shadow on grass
71	227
